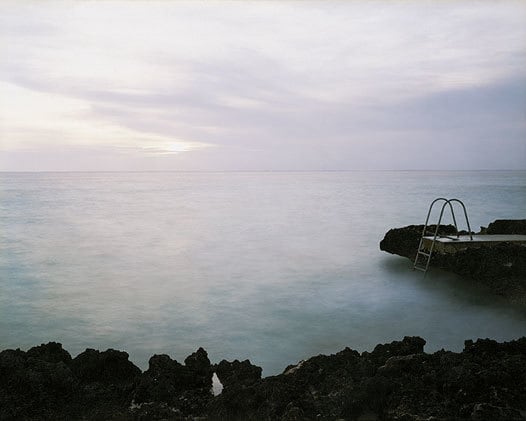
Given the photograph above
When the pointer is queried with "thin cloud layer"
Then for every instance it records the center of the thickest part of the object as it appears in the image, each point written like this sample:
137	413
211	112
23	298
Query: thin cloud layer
235	86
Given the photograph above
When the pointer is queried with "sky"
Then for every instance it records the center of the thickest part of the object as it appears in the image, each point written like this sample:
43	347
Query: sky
267	85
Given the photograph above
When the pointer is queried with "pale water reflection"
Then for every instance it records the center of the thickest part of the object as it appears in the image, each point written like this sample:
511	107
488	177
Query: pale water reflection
274	267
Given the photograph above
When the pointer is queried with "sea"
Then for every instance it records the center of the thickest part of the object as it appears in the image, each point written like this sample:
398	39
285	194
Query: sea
274	267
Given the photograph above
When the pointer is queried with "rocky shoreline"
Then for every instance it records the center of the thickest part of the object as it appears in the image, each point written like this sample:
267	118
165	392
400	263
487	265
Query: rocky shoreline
502	268
396	381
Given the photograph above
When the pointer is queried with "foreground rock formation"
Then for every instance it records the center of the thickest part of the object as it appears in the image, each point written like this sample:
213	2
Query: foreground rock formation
396	381
502	268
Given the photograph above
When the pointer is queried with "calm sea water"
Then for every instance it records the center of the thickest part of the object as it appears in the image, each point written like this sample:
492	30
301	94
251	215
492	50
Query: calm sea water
274	267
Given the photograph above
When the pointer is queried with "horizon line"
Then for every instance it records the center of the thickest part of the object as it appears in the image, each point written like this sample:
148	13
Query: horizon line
260	171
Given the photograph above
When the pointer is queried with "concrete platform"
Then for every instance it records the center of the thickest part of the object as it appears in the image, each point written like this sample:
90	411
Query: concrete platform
452	244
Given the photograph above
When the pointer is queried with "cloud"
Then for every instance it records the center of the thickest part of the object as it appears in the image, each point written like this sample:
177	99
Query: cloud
315	85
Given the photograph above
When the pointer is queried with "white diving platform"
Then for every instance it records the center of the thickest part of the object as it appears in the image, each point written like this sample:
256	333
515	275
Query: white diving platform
433	243
451	244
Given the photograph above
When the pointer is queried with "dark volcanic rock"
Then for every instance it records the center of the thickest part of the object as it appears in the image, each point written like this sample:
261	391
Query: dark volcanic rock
51	352
107	367
502	267
237	373
485	411
31	386
507	226
161	382
199	369
184	388
404	241
107	382
408	346
396	381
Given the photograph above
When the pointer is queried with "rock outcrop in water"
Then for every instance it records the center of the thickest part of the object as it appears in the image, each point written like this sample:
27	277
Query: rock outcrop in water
502	268
396	381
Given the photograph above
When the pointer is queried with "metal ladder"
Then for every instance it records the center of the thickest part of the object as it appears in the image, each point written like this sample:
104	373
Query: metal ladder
422	254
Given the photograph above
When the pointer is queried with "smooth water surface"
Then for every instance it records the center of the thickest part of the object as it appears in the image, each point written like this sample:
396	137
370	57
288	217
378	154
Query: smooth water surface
270	266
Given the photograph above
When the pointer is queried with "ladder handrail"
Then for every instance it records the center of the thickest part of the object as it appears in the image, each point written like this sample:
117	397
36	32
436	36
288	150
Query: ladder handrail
420	249
446	201
465	215
431	208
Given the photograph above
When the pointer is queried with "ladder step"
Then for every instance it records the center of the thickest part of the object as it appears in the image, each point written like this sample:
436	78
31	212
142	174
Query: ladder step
420	268
424	253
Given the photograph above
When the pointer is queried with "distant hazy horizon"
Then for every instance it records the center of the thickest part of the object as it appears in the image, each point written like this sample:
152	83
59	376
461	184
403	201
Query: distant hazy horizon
263	171
384	85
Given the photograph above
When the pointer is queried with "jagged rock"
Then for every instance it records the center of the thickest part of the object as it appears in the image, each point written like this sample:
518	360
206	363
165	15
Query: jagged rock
31	386
394	366
185	388
507	226
404	241
501	267
107	383
397	381
237	373
409	345
51	352
293	413
106	367
341	385
200	370
501	263
486	412
161	382
155	411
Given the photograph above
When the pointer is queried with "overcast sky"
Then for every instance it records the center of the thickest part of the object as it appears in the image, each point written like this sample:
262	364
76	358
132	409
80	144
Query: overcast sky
262	85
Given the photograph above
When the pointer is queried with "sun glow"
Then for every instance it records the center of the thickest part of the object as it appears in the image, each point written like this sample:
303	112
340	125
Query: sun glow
177	147
171	148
